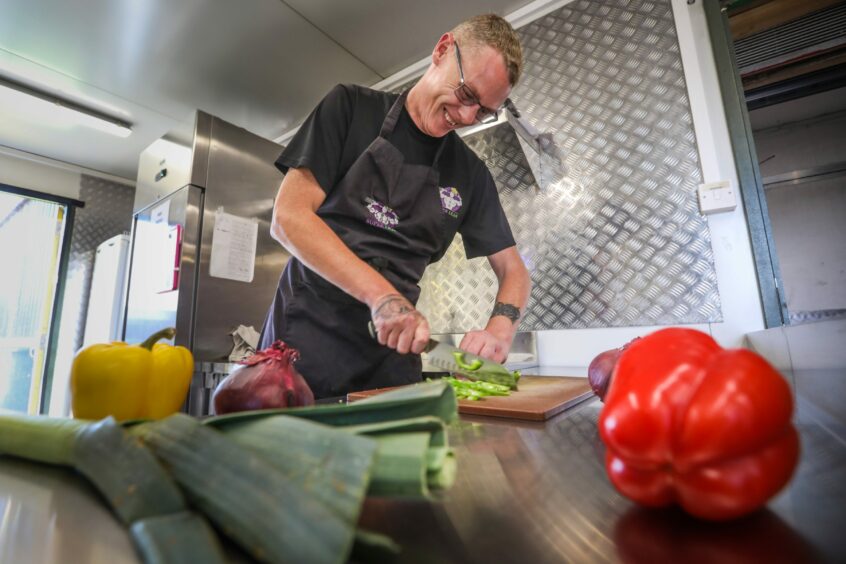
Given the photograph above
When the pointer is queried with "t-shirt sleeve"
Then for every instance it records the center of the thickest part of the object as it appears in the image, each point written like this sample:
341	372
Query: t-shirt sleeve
319	143
485	228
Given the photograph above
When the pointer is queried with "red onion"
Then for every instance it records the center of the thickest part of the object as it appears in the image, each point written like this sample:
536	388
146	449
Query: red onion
601	369
268	380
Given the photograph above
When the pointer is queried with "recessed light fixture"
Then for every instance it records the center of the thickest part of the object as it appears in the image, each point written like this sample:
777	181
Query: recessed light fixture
16	95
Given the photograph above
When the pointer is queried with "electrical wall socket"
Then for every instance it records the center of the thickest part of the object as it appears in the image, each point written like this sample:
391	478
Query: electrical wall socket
717	197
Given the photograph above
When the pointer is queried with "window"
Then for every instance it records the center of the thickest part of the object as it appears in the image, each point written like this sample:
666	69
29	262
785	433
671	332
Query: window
33	231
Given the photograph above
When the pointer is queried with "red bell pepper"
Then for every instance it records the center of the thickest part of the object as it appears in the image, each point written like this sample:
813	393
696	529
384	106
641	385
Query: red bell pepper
686	421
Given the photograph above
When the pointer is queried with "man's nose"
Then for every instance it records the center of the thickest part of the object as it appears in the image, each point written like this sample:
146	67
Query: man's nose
468	114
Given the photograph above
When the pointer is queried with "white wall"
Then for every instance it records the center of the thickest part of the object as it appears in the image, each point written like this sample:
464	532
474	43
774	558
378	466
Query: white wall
802	145
28	171
34	172
810	240
807	217
736	279
812	346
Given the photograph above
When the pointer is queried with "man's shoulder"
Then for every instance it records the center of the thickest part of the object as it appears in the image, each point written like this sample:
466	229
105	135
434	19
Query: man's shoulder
464	157
368	98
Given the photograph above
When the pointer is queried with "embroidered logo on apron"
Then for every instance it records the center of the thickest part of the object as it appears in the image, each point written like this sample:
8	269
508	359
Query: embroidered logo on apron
381	215
450	200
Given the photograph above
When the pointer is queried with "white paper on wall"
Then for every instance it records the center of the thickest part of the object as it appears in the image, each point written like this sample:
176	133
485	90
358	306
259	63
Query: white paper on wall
233	251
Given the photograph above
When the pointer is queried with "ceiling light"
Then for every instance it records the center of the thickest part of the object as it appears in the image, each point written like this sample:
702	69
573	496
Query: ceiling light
57	110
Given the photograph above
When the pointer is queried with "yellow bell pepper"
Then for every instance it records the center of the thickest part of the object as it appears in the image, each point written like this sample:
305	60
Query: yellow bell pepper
147	381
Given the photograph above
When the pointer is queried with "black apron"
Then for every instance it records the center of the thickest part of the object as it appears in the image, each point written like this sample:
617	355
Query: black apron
395	217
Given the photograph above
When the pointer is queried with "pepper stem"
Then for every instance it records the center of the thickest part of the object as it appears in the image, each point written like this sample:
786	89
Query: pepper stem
168	333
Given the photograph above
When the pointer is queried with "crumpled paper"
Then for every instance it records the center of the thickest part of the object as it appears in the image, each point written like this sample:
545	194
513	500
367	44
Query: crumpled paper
245	341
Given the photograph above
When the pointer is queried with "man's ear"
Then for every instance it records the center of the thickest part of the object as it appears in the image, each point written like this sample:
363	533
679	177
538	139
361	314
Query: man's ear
442	48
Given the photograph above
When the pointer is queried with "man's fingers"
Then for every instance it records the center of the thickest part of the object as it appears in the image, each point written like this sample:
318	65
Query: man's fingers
483	344
401	327
499	355
421	337
393	337
472	343
415	336
404	340
488	351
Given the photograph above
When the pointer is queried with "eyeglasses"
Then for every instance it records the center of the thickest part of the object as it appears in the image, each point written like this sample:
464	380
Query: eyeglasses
468	98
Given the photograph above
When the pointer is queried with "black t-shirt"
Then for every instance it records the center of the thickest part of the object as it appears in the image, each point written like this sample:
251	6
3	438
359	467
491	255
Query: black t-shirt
350	117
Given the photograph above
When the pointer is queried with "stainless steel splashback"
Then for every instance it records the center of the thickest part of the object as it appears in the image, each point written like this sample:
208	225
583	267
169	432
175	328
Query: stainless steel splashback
219	167
612	233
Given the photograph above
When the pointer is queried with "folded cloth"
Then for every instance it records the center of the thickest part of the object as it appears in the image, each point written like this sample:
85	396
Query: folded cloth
245	341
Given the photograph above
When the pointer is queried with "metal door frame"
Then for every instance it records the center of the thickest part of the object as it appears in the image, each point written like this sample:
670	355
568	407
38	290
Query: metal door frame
773	302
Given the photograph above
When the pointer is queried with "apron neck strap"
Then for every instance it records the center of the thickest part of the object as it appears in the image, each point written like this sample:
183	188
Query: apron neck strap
440	150
391	121
393	116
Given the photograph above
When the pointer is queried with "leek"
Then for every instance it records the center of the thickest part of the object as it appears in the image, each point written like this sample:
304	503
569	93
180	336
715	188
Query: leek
127	475
432	398
245	496
394	472
125	472
38	438
330	465
178	538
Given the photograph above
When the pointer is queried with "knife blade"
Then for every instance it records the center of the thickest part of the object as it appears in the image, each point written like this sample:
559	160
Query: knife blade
474	367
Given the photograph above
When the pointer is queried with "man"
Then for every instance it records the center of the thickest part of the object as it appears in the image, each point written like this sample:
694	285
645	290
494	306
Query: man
377	185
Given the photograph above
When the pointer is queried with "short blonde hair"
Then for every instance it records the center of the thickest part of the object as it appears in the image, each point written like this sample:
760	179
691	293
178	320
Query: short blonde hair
496	32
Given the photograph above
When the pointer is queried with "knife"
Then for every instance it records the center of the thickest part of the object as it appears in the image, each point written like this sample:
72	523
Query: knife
454	360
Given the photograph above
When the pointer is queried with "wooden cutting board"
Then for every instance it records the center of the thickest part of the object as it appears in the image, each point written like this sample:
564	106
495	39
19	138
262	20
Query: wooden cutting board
537	399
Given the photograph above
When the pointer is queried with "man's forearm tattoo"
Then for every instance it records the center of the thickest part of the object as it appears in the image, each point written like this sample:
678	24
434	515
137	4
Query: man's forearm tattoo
508	310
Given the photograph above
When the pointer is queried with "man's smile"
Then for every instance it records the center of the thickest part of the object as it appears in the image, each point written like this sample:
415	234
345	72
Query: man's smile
449	120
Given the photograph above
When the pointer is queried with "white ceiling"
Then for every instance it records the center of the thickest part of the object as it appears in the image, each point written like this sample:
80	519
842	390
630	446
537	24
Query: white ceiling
261	64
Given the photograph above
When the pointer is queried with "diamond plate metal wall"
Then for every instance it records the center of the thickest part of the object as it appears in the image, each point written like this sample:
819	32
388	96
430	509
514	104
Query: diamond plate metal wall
107	212
613	235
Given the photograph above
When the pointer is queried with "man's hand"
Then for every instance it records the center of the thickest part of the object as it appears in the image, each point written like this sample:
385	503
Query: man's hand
494	341
399	325
485	344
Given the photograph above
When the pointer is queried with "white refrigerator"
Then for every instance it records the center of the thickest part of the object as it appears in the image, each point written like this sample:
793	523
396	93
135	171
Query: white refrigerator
104	321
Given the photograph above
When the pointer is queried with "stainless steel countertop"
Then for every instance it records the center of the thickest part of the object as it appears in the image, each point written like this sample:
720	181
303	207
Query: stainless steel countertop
525	492
50	515
537	492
